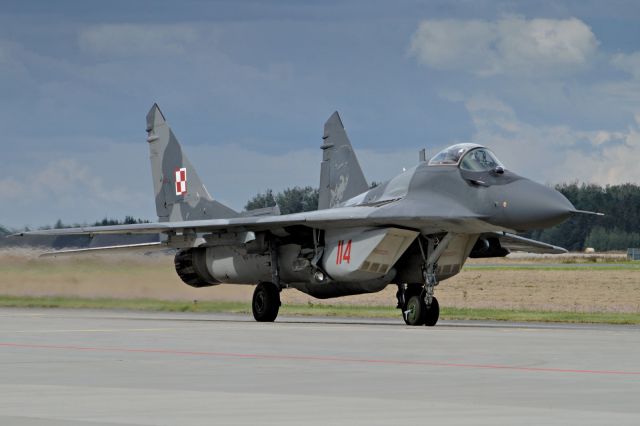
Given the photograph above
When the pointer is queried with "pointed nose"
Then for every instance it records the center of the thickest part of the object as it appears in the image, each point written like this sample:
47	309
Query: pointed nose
529	205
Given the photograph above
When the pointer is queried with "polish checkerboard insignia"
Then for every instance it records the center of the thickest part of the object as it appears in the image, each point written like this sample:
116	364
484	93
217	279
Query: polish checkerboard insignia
181	181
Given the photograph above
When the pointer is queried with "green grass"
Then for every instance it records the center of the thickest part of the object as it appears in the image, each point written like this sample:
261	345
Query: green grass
357	311
557	267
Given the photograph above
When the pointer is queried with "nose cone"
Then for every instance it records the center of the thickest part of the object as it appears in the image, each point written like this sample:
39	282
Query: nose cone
528	205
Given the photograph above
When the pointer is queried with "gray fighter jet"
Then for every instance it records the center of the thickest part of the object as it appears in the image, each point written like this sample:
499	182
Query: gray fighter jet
414	231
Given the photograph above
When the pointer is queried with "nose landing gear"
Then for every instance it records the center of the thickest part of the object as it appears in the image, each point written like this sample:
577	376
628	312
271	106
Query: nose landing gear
417	302
415	310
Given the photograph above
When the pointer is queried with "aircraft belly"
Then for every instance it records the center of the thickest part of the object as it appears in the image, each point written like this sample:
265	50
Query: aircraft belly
337	289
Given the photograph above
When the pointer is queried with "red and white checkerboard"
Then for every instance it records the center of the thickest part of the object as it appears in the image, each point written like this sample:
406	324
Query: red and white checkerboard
181	181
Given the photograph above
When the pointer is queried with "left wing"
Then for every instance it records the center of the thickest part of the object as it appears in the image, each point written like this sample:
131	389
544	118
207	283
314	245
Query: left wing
139	247
321	219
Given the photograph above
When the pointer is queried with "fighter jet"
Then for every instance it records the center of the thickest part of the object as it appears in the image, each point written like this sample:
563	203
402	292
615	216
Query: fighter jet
414	231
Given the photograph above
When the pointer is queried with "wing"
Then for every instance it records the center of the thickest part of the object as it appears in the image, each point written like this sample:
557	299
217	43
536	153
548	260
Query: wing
251	223
321	219
514	242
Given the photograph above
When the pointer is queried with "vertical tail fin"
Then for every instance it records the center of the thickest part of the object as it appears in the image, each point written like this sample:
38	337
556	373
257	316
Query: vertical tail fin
340	174
180	195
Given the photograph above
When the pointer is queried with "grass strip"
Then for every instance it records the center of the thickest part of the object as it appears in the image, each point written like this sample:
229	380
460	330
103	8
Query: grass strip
552	268
351	311
558	267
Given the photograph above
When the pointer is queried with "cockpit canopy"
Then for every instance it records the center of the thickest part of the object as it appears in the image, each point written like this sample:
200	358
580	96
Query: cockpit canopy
468	156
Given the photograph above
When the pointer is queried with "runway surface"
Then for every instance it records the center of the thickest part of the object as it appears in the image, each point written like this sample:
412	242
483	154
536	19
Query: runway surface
120	368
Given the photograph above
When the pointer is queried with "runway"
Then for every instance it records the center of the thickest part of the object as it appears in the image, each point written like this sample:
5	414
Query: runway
61	367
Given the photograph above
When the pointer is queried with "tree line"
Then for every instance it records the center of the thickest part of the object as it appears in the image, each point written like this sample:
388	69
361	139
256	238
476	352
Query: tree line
618	229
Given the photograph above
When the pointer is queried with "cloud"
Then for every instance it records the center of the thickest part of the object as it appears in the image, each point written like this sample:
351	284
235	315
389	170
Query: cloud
511	45
629	62
126	40
555	154
62	177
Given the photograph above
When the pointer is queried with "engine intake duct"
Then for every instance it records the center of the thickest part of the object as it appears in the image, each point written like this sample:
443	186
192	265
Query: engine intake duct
488	247
191	267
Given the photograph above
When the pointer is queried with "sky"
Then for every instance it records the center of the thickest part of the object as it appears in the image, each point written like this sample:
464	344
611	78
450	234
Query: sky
552	87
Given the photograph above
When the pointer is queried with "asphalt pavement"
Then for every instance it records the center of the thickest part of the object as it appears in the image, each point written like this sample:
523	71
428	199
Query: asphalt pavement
77	367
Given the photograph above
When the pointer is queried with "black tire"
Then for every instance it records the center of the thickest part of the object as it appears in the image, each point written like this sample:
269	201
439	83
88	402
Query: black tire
414	311
432	313
266	302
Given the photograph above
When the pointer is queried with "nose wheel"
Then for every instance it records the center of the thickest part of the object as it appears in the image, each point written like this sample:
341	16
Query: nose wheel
266	302
416	311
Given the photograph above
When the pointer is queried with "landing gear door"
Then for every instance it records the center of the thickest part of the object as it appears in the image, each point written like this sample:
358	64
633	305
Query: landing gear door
364	253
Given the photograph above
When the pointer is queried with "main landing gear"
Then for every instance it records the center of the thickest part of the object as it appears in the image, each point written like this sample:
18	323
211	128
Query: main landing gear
266	302
266	297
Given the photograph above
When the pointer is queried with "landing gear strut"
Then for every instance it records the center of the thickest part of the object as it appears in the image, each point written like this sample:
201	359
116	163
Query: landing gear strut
266	302
419	305
266	297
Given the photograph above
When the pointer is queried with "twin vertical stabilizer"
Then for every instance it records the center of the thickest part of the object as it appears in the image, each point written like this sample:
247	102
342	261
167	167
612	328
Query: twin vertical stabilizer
180	195
341	177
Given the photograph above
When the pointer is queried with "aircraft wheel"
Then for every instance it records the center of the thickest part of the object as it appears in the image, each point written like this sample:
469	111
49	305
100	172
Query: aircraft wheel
432	313
266	302
414	311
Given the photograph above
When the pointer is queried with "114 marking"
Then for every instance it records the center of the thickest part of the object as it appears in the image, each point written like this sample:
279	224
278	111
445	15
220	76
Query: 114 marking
344	252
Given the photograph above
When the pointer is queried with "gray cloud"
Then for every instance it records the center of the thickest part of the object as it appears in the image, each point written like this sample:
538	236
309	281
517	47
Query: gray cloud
629	62
554	154
125	40
510	45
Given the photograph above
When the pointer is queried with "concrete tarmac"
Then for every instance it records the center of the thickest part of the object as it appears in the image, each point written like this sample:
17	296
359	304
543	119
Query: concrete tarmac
61	367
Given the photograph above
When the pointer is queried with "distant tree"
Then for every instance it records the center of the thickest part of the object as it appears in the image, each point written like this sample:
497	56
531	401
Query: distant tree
297	199
128	220
59	224
615	239
4	231
291	200
261	200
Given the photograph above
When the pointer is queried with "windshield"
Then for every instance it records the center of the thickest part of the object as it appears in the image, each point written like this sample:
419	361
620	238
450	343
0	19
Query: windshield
480	160
451	155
